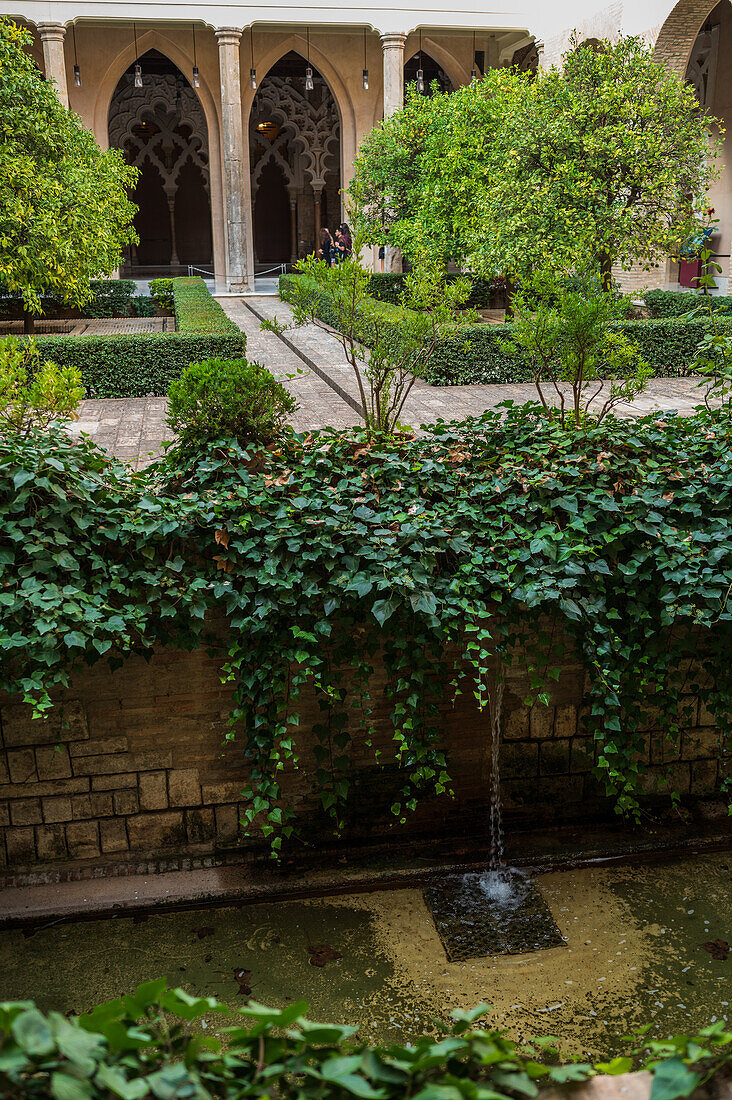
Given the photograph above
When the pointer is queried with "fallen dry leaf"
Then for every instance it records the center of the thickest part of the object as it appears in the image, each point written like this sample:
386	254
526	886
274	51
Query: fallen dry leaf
224	563
718	949
323	953
204	931
243	979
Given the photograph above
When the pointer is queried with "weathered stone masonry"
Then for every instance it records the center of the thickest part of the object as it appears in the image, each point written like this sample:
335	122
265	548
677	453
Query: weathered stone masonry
132	766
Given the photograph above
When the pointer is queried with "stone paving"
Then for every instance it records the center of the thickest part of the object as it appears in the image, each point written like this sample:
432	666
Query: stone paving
427	403
130	428
311	364
320	405
92	326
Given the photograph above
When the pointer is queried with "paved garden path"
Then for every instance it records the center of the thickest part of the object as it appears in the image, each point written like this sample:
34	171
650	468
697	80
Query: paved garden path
312	366
426	403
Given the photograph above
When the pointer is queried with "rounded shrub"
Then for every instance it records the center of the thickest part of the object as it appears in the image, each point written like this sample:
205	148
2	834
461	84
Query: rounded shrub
228	399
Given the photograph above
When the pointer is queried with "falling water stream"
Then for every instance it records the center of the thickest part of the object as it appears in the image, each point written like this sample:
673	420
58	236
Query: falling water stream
497	883
496	863
498	911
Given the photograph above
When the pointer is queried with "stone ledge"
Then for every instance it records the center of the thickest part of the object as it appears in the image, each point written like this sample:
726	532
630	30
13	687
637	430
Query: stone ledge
107	887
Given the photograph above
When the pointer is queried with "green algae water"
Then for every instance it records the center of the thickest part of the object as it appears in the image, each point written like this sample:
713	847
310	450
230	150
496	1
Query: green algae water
633	953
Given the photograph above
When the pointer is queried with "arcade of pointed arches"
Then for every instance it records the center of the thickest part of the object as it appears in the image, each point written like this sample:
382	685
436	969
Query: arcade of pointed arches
299	145
295	149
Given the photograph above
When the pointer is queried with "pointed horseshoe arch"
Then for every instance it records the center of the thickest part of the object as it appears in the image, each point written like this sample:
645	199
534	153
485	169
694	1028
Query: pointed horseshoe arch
679	32
296	159
156	40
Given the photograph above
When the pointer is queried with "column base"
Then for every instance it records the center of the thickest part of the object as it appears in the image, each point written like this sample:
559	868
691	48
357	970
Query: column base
241	286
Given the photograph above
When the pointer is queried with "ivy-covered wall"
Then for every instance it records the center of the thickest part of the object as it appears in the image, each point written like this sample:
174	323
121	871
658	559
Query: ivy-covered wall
130	770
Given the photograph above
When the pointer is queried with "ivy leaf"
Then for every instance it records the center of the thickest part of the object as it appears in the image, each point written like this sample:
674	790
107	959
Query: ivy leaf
672	1079
384	609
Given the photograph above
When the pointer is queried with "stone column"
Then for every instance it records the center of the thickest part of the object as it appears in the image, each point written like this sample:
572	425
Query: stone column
170	193
293	224
238	218
317	198
52	37
392	46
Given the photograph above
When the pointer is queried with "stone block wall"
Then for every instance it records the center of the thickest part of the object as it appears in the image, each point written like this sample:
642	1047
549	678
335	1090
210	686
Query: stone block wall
132	767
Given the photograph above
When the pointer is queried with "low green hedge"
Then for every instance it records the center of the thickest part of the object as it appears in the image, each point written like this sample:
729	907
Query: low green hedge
112	298
673	303
135	365
162	292
388	287
197	312
144	365
478	354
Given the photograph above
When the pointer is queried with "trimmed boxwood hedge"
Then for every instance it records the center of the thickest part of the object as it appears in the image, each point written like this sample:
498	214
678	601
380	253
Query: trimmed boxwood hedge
144	365
388	287
674	303
112	298
478	356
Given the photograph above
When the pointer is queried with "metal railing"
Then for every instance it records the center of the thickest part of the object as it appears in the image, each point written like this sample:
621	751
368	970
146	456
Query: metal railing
281	269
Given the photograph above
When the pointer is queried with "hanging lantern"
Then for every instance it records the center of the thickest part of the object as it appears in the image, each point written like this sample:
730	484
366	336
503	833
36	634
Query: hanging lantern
420	70
77	70
138	66
365	74
252	71
309	85
196	74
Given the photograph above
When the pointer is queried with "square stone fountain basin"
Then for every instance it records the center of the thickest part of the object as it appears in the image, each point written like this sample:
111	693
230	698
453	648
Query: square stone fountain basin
493	913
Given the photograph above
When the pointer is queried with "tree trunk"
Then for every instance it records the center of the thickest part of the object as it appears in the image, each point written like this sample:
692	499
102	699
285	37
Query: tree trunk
606	271
29	323
509	291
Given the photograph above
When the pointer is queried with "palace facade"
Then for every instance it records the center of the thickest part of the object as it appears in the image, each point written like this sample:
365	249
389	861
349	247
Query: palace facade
244	119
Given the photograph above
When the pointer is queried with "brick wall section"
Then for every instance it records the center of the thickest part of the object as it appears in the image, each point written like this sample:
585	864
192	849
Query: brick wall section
678	34
133	766
637	280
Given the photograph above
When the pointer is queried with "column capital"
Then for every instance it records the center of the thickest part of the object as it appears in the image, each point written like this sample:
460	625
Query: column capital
393	41
229	36
50	31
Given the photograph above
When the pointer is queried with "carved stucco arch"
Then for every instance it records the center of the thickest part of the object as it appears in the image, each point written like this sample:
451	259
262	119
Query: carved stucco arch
455	72
168	109
314	133
156	40
677	36
274	154
344	104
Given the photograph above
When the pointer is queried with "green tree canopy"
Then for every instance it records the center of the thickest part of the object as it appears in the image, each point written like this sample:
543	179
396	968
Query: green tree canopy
65	211
606	161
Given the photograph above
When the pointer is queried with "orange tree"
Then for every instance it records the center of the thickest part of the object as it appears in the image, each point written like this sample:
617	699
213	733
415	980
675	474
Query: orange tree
605	161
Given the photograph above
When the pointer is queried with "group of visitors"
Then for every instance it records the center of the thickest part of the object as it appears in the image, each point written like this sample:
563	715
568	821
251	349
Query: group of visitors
334	250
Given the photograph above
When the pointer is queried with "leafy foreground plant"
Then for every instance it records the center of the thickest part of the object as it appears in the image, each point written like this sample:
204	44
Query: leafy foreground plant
567	340
143	1045
34	394
386	351
228	399
397	571
65	211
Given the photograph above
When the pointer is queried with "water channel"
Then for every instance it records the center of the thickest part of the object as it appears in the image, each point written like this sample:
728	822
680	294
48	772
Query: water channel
633	952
